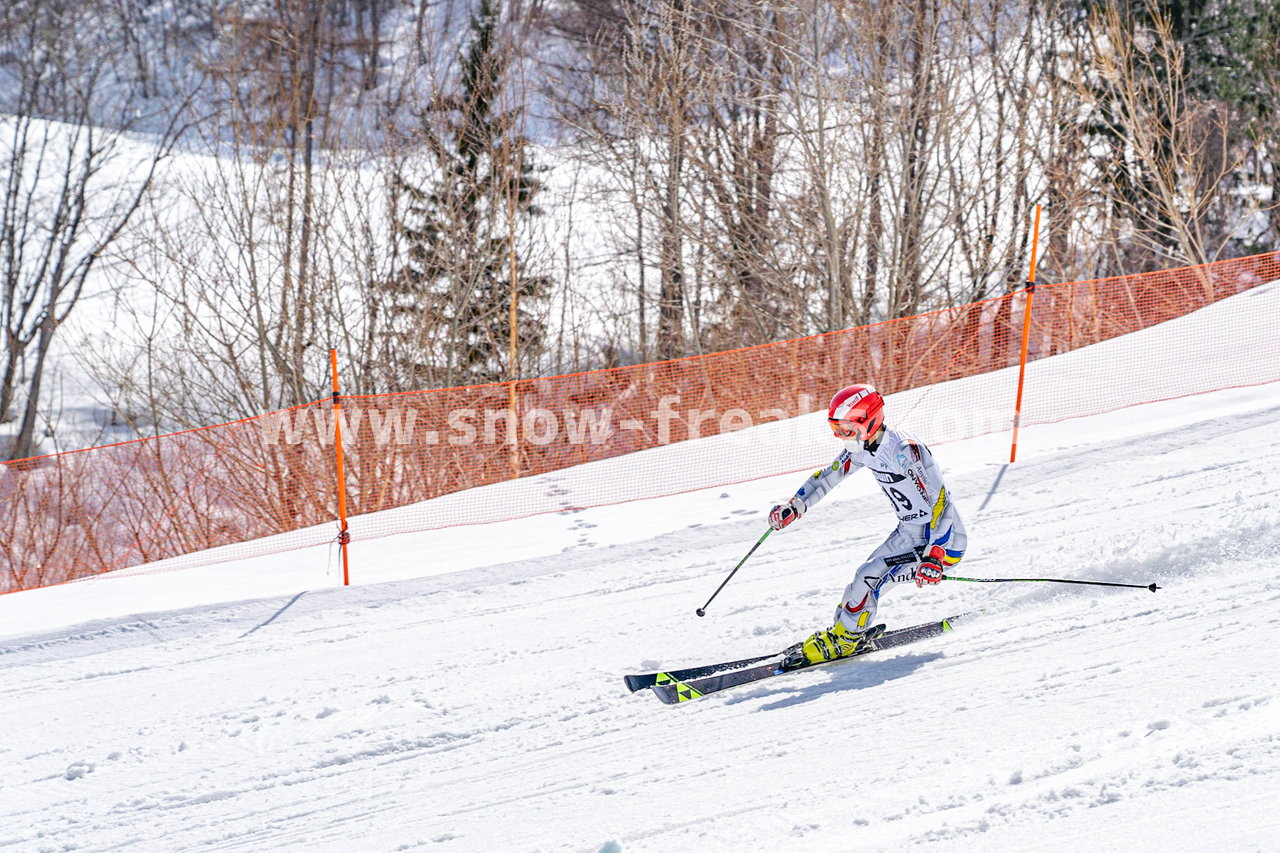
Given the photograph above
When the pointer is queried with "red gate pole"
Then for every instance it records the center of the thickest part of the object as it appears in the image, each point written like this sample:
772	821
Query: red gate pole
1030	291
344	536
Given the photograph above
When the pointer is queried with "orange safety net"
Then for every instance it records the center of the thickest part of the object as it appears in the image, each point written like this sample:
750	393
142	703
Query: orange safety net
268	484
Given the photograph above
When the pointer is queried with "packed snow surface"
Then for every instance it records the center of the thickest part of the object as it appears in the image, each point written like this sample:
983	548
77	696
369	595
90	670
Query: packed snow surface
466	694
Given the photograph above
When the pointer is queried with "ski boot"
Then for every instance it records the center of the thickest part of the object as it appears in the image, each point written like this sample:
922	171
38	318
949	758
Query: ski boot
834	643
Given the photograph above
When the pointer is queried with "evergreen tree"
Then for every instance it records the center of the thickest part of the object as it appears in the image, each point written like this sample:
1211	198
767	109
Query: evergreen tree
1225	67
461	267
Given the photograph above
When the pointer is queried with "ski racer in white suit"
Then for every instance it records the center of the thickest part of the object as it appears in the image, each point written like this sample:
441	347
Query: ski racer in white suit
929	538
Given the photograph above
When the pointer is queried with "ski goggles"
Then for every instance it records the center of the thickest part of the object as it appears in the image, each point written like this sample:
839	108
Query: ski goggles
847	429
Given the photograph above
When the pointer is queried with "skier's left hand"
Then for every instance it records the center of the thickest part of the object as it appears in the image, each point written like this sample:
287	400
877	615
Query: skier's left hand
929	569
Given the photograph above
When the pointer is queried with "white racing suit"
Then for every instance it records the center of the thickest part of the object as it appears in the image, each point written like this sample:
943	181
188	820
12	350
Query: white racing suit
911	480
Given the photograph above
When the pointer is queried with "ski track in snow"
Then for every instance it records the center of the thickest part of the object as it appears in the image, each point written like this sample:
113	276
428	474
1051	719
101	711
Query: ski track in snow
484	709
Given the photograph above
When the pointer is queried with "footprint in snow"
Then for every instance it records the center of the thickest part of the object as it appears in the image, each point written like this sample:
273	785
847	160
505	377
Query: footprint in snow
78	770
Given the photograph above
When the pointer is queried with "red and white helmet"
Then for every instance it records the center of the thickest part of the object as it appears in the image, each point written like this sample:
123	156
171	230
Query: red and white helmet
856	412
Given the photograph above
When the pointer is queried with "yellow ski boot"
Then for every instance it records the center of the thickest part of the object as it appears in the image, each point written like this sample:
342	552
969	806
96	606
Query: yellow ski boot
831	644
835	642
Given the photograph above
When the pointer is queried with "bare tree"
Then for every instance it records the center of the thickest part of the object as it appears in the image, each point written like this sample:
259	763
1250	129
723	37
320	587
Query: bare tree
72	184
636	82
1168	157
736	153
915	123
263	253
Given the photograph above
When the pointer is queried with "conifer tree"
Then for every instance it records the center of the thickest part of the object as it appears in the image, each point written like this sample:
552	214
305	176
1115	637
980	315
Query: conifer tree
458	233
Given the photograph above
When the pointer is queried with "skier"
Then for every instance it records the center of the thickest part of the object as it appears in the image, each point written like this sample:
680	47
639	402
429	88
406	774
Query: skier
929	538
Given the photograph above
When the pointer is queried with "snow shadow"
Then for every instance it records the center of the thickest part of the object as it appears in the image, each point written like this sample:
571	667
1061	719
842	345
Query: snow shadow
857	675
275	615
995	487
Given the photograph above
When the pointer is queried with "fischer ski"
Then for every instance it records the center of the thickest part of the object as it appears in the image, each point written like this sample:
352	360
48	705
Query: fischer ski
676	686
648	679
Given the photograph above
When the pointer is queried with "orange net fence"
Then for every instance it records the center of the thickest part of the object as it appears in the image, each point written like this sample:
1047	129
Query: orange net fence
268	484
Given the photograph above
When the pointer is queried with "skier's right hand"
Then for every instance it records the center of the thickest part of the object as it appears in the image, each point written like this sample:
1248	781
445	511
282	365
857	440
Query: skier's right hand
783	514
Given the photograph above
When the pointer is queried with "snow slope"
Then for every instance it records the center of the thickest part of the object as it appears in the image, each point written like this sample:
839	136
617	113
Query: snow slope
467	696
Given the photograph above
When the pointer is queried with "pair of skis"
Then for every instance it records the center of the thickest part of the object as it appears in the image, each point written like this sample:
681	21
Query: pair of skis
682	685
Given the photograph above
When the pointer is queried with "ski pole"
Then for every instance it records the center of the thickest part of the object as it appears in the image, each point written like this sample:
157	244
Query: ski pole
1149	586
702	611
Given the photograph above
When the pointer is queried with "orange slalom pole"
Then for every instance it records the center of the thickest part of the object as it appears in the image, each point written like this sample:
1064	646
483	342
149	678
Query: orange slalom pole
344	536
1030	291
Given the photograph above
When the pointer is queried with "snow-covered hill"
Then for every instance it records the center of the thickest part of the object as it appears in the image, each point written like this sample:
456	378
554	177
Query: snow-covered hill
466	695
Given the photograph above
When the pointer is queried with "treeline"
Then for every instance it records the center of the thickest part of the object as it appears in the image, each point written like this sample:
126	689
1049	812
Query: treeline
466	191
